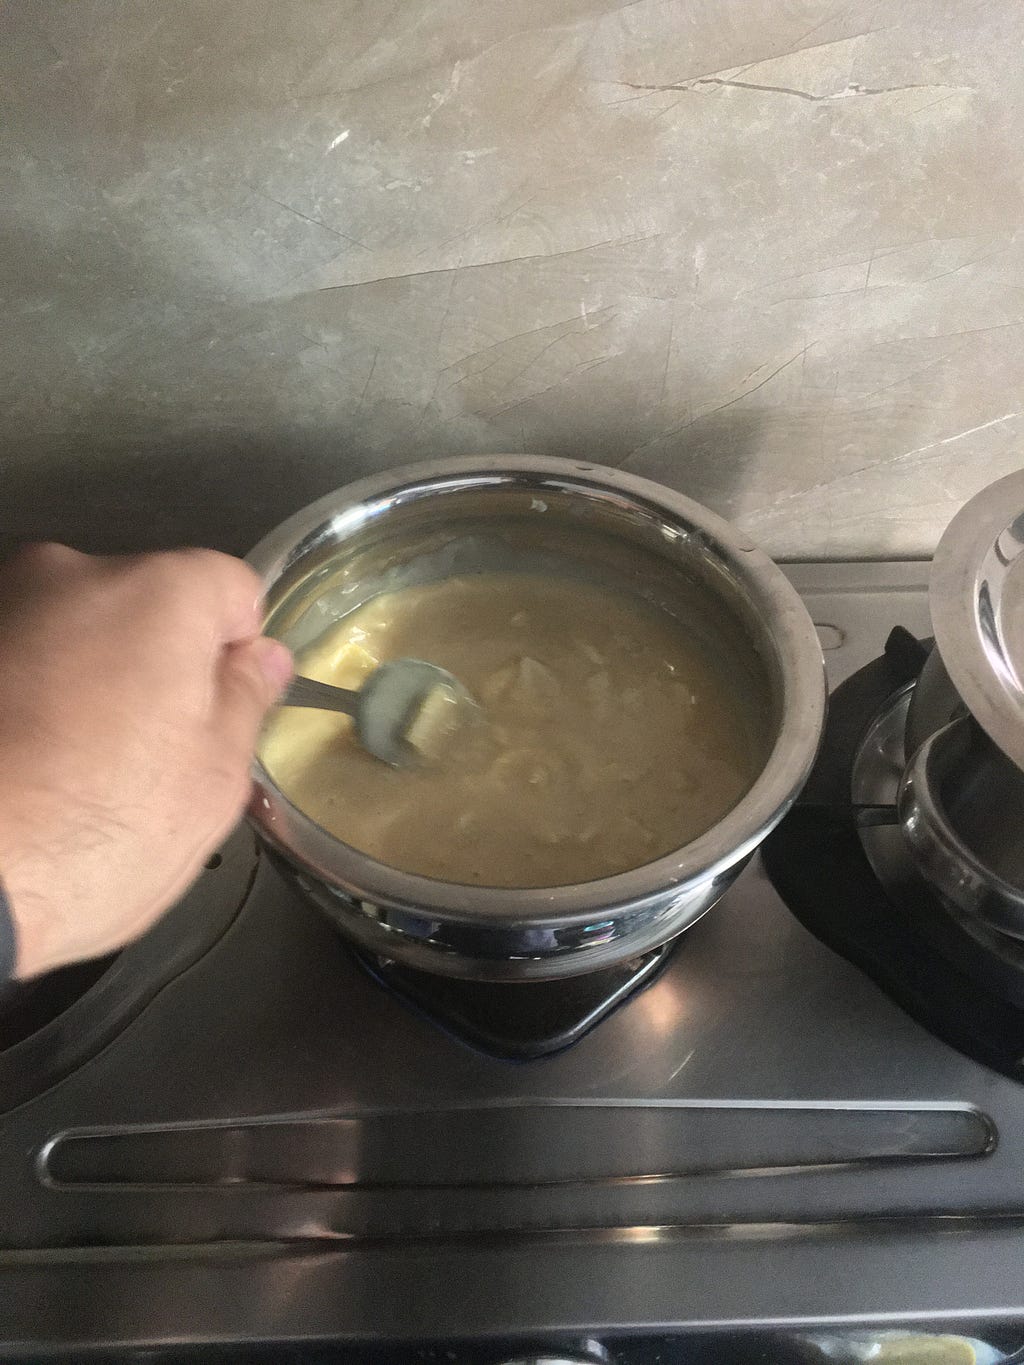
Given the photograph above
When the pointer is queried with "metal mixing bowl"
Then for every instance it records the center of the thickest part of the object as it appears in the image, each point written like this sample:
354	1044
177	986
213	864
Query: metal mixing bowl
427	522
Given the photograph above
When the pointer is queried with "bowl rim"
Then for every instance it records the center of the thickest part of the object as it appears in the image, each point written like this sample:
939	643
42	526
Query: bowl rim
712	854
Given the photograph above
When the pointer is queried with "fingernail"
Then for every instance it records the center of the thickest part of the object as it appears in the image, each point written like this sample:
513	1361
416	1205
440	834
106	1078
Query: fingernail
275	661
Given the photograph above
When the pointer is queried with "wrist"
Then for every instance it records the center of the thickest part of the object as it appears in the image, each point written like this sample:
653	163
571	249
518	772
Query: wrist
23	877
55	852
8	939
24	934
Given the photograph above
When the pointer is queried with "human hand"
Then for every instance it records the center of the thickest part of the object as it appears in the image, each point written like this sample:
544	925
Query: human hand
132	691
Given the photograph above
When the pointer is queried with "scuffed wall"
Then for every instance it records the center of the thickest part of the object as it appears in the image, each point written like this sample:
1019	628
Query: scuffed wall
766	252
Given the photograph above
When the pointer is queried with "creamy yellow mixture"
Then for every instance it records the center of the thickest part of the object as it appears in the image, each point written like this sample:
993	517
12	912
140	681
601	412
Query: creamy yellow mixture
610	737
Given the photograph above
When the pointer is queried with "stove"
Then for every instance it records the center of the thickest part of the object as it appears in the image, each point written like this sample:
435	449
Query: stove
798	1127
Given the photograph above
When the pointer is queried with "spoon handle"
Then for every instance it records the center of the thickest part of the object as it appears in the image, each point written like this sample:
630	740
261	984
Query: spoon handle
322	696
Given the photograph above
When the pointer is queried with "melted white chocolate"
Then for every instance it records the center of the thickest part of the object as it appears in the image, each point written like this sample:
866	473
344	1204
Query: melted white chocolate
610	736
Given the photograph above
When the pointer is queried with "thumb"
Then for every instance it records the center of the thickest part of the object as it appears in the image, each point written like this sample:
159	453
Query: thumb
252	676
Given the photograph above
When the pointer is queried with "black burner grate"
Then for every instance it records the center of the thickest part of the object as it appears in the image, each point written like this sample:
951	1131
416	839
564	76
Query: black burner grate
521	1020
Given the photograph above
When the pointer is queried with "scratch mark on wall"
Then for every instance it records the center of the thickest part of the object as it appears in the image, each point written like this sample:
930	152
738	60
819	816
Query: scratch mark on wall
731	72
1000	251
306	218
701	416
747	392
849	92
369	377
914	374
485	265
883	464
668	358
505	341
948	440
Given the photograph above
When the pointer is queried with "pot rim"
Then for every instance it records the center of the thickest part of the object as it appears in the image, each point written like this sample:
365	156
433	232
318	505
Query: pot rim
973	590
711	854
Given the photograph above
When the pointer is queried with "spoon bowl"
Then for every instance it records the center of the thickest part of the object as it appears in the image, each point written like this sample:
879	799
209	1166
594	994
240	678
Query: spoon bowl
405	712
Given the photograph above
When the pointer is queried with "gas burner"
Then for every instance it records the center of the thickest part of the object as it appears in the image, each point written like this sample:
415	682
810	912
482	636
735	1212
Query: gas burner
993	959
522	1020
49	1027
858	890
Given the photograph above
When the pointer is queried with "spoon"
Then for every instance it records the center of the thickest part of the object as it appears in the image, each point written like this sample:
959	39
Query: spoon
404	713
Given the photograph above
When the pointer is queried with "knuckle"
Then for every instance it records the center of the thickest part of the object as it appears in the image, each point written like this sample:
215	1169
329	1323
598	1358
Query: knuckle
176	567
240	577
212	565
46	556
192	577
216	585
159	583
196	562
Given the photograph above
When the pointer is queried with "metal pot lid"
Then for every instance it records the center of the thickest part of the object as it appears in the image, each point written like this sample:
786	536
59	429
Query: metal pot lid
976	595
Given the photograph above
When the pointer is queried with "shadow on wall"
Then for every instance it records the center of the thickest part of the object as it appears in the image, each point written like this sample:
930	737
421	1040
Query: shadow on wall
221	491
227	491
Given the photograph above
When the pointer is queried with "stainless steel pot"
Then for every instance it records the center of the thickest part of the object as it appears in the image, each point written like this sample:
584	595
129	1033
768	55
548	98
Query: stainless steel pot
961	800
432	520
934	703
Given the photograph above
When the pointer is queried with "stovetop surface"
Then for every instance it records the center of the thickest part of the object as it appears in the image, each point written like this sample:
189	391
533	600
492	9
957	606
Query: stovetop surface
273	1148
